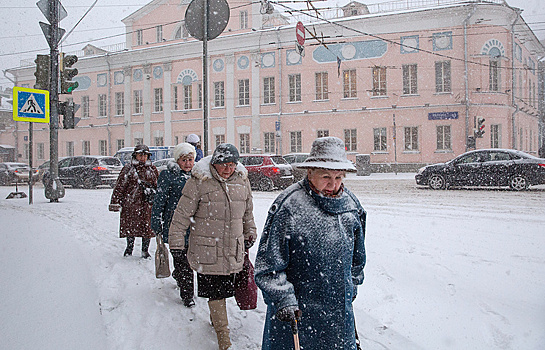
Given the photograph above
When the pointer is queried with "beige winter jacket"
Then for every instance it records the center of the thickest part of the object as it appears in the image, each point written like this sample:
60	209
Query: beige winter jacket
219	213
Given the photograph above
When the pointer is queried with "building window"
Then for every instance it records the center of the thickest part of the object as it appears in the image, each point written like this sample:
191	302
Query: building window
200	95
85	106
175	97
379	81
138	101
379	140
268	90
120	144
243	19
40	150
410	85
188	97
219	94
321	86
159	32
294	81
103	147
244	143
119	103
26	148
411	138
268	142
296	143
443	138
70	148
86	148
495	136
220	139
139	37
322	133
349	83
244	92
158	100
494	75
158	141
138	141
350	139
102	105
442	76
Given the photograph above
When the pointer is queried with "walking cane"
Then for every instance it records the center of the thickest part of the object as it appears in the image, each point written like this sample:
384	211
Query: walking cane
295	330
357	338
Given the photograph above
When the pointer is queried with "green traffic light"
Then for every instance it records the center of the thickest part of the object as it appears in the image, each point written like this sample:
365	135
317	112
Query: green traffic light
72	87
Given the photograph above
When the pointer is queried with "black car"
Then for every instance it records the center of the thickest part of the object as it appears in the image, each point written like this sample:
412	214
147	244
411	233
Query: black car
485	167
88	171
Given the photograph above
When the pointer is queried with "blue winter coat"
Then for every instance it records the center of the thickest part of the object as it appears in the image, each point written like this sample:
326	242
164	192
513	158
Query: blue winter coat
169	190
311	255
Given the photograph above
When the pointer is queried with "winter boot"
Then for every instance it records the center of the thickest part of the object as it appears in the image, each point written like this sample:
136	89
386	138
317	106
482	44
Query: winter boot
218	314
130	246
145	247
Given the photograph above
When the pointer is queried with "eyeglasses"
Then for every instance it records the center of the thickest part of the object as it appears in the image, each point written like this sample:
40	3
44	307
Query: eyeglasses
227	165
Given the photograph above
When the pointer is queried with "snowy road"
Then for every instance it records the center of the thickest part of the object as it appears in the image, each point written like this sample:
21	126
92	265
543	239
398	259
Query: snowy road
457	269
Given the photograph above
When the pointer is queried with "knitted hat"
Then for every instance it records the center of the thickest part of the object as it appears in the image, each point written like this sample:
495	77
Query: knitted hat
225	153
192	138
183	149
328	153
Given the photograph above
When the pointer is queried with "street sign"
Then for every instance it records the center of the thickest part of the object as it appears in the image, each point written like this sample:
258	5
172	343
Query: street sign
30	105
300	33
218	17
277	125
43	5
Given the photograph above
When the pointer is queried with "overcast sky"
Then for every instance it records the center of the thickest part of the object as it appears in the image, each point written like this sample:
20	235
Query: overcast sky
21	37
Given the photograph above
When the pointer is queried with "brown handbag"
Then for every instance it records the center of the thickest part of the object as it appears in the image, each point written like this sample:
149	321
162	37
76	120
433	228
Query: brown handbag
162	266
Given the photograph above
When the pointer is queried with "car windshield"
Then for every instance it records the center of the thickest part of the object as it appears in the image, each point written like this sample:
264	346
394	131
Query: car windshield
110	161
18	165
278	160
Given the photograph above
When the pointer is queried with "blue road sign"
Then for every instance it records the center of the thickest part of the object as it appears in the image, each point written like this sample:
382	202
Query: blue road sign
30	105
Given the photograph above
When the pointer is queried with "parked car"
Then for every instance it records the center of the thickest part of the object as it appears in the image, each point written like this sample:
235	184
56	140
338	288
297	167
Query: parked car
294	159
157	153
267	172
11	172
485	167
162	163
88	171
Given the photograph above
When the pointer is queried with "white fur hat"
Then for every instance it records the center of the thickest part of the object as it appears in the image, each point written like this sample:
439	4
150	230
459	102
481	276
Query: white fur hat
183	149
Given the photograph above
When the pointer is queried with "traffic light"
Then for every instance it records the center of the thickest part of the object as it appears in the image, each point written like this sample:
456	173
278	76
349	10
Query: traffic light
67	73
42	72
480	127
68	109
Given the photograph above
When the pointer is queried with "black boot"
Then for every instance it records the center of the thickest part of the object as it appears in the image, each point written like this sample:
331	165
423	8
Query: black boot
145	247
130	246
189	302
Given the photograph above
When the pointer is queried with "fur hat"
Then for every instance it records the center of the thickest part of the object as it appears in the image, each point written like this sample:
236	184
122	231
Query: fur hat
328	153
192	138
225	153
183	149
141	149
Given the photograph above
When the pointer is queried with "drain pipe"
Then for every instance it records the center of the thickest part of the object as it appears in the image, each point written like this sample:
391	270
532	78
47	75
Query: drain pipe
109	104
513	78
279	150
466	82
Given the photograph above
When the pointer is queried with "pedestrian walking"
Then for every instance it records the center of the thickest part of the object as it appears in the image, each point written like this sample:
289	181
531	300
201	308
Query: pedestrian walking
133	195
216	206
169	190
311	256
196	142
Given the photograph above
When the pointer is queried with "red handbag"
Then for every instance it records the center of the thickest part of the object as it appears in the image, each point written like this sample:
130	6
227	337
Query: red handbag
245	287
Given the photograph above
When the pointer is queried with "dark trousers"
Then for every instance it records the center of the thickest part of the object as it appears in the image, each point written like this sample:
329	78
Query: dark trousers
145	244
182	273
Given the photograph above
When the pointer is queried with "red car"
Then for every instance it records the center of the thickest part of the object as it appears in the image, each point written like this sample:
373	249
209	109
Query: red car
267	172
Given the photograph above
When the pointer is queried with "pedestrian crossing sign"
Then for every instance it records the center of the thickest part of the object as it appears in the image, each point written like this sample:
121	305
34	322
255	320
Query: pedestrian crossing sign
30	105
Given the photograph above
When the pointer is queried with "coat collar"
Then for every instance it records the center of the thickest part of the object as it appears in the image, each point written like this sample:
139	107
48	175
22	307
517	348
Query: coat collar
331	205
202	170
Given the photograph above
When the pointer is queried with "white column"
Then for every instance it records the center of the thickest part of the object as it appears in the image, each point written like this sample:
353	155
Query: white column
256	83
167	102
230	137
127	72
147	96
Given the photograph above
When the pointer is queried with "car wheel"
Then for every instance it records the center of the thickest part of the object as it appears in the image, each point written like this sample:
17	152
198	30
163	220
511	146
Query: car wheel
265	184
437	182
88	182
518	183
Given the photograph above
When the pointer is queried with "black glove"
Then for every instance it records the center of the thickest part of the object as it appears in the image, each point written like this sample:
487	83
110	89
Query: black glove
177	253
288	314
248	244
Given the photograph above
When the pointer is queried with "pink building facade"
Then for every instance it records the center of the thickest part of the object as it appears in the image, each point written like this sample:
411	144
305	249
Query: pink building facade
402	84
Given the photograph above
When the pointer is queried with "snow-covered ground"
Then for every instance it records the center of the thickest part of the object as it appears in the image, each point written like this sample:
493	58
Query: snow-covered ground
457	269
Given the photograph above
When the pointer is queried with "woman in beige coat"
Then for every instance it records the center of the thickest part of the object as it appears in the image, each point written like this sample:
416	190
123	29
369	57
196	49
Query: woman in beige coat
216	206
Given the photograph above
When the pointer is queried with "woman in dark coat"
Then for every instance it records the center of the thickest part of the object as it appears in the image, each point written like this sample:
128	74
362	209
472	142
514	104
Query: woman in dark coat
169	190
311	256
134	188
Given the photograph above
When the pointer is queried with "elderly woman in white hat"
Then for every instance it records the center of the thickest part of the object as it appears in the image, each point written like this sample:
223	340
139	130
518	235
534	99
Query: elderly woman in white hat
311	255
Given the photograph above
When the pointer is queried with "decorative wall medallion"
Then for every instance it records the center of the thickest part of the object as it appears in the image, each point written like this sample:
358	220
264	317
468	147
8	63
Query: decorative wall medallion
362	50
409	44
83	81
293	58
187	77
243	62
119	78
157	72
267	60
218	65
493	48
137	75
102	79
348	51
442	41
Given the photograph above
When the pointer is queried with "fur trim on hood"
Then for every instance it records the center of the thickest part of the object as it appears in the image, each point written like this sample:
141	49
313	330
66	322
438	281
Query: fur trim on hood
202	172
